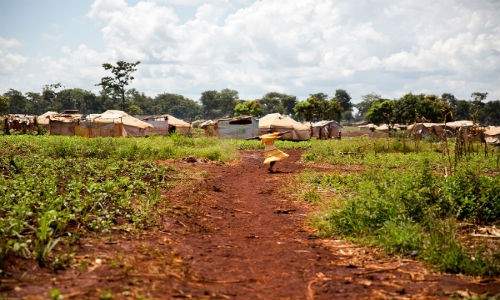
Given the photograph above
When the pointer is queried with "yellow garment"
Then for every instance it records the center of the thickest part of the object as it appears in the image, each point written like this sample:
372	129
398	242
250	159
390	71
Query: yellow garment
271	153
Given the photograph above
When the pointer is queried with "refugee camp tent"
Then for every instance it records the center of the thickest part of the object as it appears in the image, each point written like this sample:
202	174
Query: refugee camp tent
421	130
326	130
459	124
43	120
242	127
21	123
492	135
367	127
112	123
165	124
210	127
63	124
277	122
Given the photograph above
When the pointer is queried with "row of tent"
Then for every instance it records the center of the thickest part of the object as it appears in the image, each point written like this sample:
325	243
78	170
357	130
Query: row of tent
115	123
422	130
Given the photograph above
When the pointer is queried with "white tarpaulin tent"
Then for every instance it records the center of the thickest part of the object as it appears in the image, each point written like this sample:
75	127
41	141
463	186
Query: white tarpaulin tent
492	135
112	123
277	122
165	124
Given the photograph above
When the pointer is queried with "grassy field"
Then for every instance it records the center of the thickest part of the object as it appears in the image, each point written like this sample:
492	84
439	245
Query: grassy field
411	198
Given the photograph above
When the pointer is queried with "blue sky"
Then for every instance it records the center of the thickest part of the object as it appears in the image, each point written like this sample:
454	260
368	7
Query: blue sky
387	47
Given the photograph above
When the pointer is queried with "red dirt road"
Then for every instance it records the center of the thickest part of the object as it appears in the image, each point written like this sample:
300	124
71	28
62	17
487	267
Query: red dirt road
233	232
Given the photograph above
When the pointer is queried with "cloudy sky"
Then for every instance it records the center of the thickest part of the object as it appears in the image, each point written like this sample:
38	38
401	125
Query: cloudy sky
298	47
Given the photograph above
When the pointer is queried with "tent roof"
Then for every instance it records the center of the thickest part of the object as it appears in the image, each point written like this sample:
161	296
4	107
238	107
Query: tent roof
463	123
325	122
110	116
493	130
277	120
171	120
177	122
44	118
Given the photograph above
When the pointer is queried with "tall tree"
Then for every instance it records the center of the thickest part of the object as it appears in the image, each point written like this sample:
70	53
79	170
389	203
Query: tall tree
18	102
36	103
274	102
366	103
248	108
122	76
477	104
176	105
219	104
405	109
382	113
345	101
490	114
209	103
4	105
317	108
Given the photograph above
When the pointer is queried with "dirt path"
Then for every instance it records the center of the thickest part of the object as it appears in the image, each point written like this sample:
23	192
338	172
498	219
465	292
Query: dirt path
233	233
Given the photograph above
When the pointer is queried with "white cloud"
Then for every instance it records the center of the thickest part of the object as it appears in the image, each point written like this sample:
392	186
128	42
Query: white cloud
10	61
298	47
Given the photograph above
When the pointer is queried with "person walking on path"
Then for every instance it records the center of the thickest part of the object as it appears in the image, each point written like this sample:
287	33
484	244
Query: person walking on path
271	153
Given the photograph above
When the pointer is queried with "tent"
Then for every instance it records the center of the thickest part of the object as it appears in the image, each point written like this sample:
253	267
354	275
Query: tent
63	124
165	124
43	119
459	124
367	127
210	127
492	135
242	127
112	123
421	130
277	122
326	130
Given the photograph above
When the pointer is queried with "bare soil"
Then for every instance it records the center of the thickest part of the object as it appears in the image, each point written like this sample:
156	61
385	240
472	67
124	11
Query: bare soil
234	231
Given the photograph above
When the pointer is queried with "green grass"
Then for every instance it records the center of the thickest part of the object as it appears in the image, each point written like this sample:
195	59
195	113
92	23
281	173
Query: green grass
407	203
404	197
53	189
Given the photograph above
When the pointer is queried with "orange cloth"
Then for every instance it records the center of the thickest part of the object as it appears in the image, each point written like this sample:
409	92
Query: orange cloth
271	153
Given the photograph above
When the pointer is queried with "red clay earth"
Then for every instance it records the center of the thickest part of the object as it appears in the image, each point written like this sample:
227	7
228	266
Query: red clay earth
233	232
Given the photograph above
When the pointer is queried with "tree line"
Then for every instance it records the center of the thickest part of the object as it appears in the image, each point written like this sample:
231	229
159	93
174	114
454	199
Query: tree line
214	104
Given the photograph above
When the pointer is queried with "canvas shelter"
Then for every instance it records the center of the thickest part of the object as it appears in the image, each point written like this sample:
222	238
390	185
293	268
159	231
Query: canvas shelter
459	124
421	130
20	122
326	130
210	127
114	123
43	119
242	127
63	124
492	135
367	127
277	122
165	124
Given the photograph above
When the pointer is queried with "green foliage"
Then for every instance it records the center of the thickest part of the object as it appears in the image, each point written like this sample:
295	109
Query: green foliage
114	86
55	294
404	203
46	197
